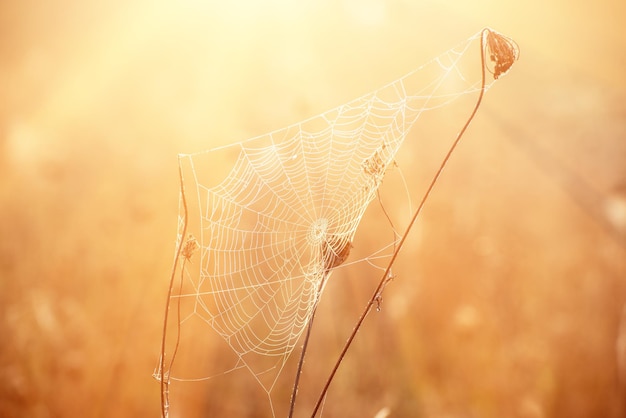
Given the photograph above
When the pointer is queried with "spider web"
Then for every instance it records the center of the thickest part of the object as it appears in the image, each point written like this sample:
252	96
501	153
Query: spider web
273	216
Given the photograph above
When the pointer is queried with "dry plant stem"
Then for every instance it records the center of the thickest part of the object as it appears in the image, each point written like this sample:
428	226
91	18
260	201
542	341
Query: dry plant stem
169	369
294	392
164	384
385	276
305	344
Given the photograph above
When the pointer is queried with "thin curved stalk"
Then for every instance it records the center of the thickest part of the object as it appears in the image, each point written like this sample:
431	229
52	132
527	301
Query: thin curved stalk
305	344
165	382
385	277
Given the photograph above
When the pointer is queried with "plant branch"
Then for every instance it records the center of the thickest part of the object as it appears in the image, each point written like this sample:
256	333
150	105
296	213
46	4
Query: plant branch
164	383
294	392
375	297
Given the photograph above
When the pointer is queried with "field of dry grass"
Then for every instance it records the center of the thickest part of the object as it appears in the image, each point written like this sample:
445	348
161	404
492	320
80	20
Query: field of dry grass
507	299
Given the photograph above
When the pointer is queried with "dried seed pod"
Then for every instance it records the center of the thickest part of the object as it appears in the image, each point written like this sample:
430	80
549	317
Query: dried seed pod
190	246
503	52
334	252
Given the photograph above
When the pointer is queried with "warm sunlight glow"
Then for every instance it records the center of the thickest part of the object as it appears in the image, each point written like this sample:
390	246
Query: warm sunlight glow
507	300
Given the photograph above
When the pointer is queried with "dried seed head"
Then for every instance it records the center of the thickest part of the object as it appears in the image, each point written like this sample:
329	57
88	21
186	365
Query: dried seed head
335	251
503	52
190	246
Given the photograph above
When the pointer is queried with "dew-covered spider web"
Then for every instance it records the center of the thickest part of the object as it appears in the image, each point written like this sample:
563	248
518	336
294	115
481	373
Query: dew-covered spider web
264	222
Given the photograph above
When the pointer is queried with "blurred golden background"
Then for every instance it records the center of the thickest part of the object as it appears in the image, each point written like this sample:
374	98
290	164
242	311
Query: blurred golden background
508	301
